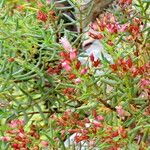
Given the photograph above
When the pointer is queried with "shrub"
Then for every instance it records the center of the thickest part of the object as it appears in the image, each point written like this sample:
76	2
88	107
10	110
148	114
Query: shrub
47	94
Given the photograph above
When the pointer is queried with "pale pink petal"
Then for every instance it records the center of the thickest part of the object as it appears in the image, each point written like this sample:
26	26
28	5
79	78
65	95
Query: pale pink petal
66	44
5	138
77	81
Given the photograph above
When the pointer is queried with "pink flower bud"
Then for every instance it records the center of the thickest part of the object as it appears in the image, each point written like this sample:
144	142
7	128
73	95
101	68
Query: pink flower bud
93	26
44	143
144	82
66	44
120	111
66	66
77	81
5	138
100	118
21	135
84	71
124	27
73	55
97	124
16	123
48	1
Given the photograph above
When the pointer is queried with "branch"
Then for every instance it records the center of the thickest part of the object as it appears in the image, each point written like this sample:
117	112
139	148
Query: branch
107	105
37	112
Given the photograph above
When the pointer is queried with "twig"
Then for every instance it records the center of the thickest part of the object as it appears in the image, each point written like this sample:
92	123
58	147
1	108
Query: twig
107	105
37	112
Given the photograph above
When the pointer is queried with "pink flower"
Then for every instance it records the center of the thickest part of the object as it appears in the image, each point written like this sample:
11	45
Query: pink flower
13	124
16	123
97	124
93	26
100	118
44	143
77	81
120	111
5	138
48	1
66	44
84	71
73	54
84	131
66	65
112	28
124	27
144	82
22	135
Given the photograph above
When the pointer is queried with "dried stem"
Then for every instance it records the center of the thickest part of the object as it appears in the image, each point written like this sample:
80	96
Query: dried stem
107	105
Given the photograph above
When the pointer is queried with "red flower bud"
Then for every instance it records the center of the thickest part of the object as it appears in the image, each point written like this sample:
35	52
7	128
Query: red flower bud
78	65
115	134
129	62
11	59
42	16
96	63
92	57
114	67
72	76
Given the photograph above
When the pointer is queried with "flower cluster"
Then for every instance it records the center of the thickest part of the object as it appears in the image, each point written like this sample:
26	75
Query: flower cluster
124	3
69	92
95	63
70	62
127	66
106	23
107	27
88	130
20	139
54	70
42	16
107	97
69	56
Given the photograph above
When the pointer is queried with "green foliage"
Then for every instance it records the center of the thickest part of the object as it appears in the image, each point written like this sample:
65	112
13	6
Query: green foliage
36	86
